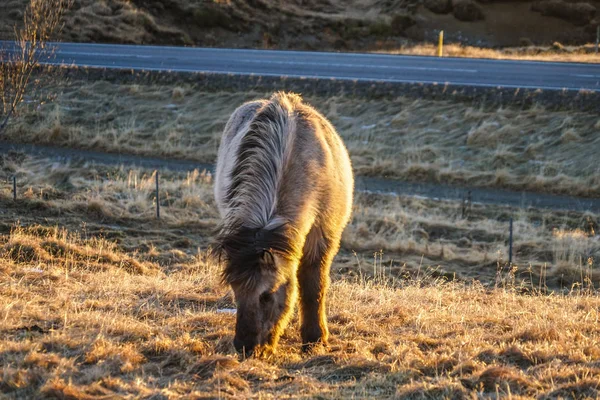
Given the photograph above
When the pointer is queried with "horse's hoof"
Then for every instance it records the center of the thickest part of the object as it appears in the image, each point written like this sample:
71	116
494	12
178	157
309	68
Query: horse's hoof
315	347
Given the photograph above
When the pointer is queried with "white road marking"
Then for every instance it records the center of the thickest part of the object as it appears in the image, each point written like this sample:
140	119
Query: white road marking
253	61
113	55
586	76
371	66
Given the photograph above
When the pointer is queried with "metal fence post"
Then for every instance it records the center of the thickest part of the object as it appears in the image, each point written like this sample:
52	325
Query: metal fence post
157	197
597	37
510	243
14	187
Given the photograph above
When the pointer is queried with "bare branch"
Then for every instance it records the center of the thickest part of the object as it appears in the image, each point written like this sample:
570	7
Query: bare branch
42	19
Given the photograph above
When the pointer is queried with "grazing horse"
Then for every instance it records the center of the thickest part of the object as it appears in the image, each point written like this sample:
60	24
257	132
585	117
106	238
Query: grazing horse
284	189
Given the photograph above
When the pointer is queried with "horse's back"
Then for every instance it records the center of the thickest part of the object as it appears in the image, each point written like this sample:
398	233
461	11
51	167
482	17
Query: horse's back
315	181
320	166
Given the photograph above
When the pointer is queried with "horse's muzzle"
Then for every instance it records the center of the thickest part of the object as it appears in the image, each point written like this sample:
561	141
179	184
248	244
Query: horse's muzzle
245	348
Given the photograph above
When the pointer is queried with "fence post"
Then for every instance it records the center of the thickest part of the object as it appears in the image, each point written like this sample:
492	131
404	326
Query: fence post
157	197
14	187
466	204
597	37
469	202
510	243
440	51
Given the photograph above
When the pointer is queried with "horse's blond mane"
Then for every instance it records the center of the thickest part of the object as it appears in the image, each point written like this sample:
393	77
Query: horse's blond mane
261	158
251	228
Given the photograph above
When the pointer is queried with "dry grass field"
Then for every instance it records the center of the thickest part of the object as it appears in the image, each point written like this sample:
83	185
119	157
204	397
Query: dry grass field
98	299
425	140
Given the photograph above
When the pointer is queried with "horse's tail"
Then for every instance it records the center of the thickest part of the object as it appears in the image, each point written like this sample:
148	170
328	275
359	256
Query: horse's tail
261	161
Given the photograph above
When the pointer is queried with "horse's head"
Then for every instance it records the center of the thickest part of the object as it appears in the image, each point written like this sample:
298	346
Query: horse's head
263	278
261	304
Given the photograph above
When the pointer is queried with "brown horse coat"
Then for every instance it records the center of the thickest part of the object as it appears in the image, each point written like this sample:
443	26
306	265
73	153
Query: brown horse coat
284	188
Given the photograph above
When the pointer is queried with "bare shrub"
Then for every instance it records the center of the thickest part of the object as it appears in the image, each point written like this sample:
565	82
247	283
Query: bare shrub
178	93
41	20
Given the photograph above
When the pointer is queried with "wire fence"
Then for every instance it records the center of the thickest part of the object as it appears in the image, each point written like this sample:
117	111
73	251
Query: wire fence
13	181
466	206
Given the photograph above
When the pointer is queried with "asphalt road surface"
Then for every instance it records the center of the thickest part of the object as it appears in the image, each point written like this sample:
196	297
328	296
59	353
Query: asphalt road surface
341	66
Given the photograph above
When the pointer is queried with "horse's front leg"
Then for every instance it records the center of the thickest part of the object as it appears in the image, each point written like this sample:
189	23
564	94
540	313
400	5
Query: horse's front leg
313	281
286	311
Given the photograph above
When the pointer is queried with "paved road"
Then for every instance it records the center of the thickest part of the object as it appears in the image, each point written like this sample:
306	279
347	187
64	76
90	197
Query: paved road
342	66
378	185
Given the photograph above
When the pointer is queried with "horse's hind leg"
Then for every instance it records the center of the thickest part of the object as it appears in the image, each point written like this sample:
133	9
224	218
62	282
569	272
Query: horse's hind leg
313	282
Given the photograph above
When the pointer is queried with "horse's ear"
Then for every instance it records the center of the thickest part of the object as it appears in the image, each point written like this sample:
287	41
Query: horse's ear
267	260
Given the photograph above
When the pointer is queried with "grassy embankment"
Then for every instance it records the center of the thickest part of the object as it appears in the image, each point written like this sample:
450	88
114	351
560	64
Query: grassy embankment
425	140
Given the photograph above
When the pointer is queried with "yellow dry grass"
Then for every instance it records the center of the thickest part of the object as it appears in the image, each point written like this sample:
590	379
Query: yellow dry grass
100	300
421	140
580	54
71	331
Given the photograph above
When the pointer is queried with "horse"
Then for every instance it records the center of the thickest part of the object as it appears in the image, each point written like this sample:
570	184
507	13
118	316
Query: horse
283	187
